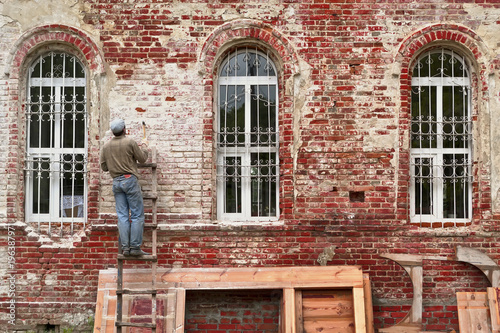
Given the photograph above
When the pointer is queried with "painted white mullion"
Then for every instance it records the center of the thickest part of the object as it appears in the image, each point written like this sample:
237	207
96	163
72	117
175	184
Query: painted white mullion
439	180
252	80
276	149
40	121
258	135
223	162
55	174
85	145
46	81
469	148
246	187
269	144
420	142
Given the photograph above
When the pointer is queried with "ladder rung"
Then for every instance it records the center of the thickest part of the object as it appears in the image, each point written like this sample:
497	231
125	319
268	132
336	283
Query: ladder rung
121	323
137	292
146	165
150	195
143	258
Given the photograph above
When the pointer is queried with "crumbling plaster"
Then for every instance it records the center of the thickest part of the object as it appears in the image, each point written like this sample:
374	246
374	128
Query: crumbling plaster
31	13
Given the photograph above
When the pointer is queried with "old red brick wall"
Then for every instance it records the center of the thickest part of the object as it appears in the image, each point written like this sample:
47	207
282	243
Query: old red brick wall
344	158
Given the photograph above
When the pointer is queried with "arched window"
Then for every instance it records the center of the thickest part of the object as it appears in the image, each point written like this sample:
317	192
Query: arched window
441	139
247	137
56	143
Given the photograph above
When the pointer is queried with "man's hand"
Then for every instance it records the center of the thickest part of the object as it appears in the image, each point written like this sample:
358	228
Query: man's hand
144	142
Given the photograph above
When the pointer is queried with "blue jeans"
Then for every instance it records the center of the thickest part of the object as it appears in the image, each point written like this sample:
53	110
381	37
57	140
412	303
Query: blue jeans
128	198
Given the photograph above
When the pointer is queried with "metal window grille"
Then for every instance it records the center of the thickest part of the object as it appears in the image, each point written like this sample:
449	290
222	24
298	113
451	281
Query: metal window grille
247	137
56	143
441	139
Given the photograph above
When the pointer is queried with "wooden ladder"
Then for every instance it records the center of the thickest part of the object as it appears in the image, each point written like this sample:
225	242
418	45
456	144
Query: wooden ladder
120	291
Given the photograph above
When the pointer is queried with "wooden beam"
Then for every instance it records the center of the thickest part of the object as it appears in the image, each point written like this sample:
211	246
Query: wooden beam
299	318
180	311
481	261
265	277
359	309
412	264
494	309
367	289
288	314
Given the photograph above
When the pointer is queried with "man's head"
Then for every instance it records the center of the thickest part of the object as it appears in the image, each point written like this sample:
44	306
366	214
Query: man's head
117	127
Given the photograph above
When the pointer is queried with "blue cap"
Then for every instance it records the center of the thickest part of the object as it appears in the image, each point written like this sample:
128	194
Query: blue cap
117	126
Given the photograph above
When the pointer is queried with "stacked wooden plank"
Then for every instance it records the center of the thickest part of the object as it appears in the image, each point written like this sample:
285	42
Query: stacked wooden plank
478	311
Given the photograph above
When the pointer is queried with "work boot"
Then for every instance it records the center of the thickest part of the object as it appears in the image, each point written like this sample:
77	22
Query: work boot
125	251
138	252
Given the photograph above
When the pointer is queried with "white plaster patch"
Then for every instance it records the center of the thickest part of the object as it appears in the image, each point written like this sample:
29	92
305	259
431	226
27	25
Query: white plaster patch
376	141
30	13
488	27
51	279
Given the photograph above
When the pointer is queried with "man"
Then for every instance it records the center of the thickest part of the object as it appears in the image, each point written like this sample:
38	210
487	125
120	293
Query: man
119	156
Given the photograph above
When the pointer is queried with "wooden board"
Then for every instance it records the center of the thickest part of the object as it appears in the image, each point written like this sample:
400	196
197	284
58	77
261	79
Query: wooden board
265	277
493	301
328	311
473	312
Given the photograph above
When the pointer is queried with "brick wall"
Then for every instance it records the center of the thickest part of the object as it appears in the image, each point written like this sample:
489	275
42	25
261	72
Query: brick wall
235	311
344	154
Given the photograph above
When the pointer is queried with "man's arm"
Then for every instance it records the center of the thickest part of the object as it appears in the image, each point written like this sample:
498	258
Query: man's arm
104	166
140	153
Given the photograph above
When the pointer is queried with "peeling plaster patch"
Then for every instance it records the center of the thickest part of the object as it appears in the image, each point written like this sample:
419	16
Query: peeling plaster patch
47	242
80	319
487	26
327	255
154	94
4	20
51	279
57	11
375	141
301	85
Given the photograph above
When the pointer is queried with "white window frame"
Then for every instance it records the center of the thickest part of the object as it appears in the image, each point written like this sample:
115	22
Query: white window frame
245	152
58	80
436	154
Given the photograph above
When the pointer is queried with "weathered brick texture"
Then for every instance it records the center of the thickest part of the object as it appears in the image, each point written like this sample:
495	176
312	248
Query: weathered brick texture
344	117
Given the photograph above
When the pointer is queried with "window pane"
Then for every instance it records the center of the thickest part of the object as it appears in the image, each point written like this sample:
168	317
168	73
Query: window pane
424	117
435	65
455	118
265	68
232	179
423	179
263	118
41	185
73	118
72	185
232	116
41	116
263	173
455	186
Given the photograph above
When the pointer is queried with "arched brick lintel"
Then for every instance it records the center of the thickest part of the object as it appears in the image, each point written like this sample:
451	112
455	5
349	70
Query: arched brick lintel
463	36
55	33
250	29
